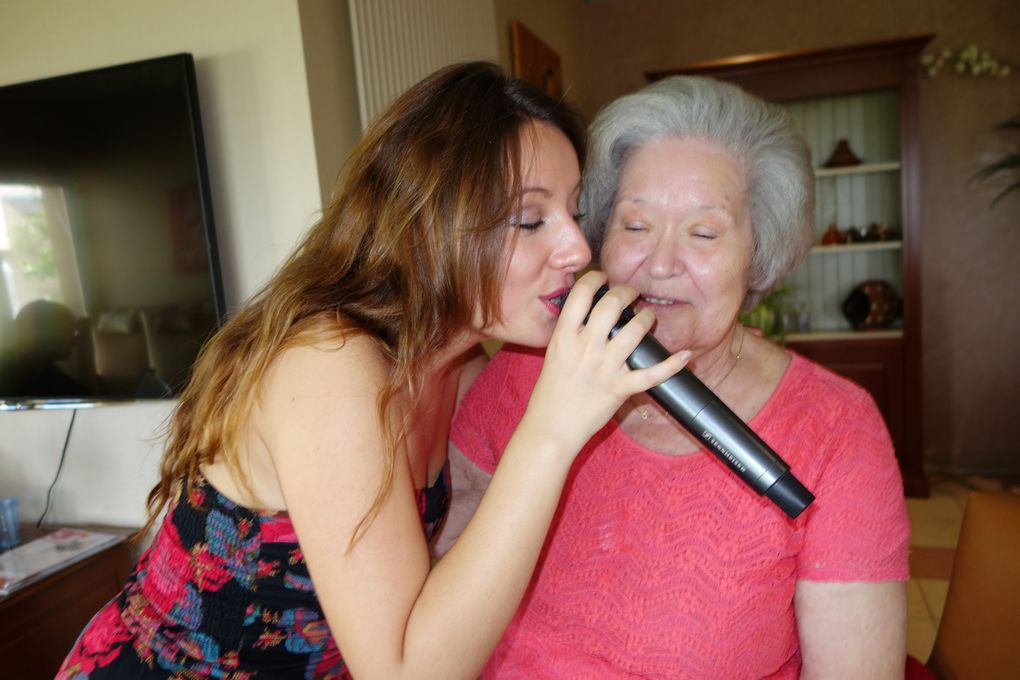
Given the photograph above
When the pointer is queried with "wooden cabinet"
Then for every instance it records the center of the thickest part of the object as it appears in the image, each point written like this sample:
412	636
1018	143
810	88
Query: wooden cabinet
866	95
39	624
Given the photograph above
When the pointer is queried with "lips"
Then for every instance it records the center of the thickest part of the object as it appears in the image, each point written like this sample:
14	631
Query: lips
652	300
558	300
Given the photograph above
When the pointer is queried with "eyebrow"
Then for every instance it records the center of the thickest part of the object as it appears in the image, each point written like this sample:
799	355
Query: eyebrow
701	208
544	191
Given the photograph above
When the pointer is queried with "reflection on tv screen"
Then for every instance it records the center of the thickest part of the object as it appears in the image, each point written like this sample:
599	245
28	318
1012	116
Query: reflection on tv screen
109	282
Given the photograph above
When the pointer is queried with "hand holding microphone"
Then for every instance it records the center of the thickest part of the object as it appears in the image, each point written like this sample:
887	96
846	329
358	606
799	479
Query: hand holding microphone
585	367
705	416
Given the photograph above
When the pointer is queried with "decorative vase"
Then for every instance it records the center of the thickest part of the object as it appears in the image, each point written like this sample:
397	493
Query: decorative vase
872	305
842	156
832	236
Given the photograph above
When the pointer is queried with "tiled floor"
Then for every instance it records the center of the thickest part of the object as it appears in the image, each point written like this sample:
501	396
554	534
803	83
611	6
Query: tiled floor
935	526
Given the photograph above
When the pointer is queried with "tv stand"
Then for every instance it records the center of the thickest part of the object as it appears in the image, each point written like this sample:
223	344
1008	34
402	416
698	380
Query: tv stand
40	623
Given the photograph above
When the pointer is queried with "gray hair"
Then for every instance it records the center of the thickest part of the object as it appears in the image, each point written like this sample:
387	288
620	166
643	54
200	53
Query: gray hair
760	135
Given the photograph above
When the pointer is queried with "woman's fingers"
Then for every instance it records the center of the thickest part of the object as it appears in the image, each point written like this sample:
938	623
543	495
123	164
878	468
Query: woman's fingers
578	301
631	334
580	315
587	369
606	313
627	340
644	379
578	336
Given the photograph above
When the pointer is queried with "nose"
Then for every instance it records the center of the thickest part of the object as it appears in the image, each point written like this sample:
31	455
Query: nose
572	252
664	260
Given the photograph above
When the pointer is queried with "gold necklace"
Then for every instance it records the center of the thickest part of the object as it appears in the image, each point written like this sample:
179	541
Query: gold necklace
740	348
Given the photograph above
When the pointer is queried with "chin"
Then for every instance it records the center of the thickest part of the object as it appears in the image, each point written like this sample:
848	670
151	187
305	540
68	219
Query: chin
534	338
674	341
528	341
524	329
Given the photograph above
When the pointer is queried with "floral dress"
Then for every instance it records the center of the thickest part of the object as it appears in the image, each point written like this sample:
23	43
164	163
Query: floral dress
223	592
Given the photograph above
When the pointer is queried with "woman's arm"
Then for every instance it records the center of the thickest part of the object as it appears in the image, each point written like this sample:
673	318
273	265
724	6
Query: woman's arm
391	616
852	630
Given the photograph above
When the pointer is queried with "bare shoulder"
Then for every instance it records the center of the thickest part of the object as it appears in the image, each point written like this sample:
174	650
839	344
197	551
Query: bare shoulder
317	417
325	362
322	385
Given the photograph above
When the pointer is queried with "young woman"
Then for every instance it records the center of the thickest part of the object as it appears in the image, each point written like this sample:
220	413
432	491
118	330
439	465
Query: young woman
309	449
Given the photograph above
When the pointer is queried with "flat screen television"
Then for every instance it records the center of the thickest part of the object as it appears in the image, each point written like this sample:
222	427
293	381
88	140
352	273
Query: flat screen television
109	275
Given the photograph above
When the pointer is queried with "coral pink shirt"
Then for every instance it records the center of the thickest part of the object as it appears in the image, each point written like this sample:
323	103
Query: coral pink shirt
664	566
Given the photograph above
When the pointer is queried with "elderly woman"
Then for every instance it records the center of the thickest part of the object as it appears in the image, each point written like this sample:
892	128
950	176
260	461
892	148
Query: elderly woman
661	562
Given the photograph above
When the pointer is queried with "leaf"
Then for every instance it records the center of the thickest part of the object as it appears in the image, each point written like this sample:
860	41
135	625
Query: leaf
1008	163
1013	124
1005	163
1002	194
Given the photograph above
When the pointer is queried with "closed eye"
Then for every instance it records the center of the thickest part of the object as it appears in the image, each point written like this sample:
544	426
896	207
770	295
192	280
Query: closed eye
703	232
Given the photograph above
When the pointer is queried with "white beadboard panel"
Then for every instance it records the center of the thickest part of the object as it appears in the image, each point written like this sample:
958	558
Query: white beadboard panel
868	121
857	197
857	200
399	42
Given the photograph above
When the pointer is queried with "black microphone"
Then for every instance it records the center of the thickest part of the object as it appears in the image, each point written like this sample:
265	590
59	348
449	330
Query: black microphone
706	417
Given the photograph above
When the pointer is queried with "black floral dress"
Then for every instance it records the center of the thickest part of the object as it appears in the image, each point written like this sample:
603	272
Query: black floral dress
223	592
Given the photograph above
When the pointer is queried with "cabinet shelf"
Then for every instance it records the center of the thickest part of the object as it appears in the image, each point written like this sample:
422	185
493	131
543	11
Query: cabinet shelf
862	169
857	247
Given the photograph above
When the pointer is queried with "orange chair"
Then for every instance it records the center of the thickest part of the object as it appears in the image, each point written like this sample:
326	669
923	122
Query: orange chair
979	634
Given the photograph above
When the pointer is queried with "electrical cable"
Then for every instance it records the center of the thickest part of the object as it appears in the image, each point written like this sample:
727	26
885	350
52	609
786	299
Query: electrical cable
60	466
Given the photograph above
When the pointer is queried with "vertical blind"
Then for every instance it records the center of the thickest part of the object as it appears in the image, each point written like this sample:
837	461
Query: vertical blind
399	42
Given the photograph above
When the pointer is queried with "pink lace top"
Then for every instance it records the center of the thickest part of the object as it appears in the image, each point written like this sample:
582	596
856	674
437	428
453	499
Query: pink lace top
664	567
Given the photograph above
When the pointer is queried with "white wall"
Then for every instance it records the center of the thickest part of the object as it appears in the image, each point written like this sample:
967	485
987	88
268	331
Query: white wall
332	86
259	143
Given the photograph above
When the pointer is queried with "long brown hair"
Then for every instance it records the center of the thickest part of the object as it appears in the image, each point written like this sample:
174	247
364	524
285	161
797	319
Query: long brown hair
411	243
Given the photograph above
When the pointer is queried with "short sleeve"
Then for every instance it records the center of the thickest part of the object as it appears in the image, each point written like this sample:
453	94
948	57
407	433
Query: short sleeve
492	407
858	528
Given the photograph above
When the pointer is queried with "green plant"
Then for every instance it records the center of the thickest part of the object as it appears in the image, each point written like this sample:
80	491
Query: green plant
966	61
1007	165
768	314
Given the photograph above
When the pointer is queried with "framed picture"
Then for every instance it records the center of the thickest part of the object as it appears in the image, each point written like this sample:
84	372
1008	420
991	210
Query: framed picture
534	61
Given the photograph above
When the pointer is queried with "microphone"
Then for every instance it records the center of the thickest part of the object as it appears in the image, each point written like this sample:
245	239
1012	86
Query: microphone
705	416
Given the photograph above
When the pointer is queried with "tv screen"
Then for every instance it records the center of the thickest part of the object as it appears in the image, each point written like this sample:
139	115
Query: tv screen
109	279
